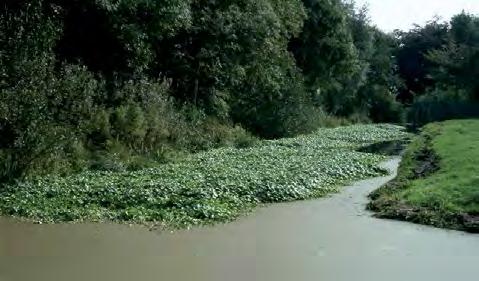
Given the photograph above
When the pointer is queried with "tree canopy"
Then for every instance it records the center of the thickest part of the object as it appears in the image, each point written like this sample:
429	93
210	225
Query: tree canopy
116	84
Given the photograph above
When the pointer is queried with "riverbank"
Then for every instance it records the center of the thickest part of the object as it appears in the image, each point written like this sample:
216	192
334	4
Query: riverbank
209	187
328	239
438	180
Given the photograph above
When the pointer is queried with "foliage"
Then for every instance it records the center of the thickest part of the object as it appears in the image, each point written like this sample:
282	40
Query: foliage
325	50
93	92
413	65
207	187
234	63
60	117
441	105
377	86
124	84
26	86
438	63
348	64
458	59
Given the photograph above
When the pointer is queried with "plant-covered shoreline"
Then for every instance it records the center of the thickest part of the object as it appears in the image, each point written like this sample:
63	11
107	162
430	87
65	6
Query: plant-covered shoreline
208	187
124	85
103	102
438	181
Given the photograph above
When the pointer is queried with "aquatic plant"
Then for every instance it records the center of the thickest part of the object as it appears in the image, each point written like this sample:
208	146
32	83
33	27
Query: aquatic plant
207	187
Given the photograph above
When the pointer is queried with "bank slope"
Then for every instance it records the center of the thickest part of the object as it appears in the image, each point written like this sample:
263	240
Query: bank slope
438	180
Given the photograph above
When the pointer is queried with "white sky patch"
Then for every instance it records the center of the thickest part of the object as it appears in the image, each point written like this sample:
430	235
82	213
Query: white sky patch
389	15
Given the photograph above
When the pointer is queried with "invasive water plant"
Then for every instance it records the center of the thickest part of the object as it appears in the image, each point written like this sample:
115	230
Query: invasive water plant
208	187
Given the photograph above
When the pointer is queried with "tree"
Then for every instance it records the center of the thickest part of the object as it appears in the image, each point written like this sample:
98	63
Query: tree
325	51
234	59
413	66
458	61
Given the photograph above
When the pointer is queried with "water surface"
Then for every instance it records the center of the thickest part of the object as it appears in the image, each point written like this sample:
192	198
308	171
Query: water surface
327	239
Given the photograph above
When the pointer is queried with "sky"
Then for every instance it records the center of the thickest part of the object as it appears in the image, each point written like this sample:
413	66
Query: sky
402	14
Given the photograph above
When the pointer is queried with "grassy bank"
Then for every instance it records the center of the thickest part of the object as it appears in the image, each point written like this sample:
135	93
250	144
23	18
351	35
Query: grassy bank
208	187
438	181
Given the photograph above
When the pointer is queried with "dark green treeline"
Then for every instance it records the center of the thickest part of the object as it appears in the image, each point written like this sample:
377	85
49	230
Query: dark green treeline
124	84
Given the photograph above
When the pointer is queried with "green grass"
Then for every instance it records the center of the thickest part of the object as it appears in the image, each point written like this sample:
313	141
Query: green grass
438	181
208	187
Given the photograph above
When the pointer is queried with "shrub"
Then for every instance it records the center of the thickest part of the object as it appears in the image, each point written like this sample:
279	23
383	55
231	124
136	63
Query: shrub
440	105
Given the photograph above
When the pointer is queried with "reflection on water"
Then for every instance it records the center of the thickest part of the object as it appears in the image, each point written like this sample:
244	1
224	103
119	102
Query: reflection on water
327	239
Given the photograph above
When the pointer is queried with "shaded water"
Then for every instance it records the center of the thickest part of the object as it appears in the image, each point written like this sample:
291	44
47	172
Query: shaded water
325	239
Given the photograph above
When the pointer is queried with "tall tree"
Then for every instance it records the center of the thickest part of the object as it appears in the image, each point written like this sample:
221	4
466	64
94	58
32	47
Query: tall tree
325	51
414	67
458	61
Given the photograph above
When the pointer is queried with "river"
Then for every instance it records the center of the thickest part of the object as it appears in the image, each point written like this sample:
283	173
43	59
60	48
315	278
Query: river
326	239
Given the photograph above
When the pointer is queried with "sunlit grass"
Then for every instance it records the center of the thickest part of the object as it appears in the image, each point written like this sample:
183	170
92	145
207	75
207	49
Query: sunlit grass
449	195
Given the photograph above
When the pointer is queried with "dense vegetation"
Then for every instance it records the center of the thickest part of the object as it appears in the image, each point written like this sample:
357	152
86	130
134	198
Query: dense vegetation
207	187
438	64
125	84
93	90
438	179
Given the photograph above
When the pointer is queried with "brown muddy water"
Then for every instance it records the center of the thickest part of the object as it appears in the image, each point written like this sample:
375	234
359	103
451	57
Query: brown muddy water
327	239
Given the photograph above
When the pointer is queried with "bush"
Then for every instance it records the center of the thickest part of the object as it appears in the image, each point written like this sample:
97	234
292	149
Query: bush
27	85
62	118
383	107
441	105
119	85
